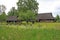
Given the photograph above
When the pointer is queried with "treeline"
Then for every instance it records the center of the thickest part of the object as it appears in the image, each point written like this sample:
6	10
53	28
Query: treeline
27	10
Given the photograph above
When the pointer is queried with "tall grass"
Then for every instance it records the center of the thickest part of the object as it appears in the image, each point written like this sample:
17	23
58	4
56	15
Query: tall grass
17	32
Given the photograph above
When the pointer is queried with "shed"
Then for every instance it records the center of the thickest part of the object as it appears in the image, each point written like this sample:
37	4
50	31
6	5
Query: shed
12	19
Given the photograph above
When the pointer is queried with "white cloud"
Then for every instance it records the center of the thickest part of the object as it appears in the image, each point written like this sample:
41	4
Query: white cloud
9	4
44	5
49	6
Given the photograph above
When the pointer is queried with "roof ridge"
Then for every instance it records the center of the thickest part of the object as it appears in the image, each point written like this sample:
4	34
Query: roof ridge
45	13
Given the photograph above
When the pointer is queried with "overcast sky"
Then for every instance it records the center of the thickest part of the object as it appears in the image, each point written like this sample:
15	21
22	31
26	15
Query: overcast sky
44	5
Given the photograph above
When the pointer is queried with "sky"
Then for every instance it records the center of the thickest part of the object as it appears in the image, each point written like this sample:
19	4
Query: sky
44	5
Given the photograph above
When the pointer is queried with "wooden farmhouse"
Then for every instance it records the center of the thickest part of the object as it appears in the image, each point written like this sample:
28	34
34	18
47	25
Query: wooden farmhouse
45	17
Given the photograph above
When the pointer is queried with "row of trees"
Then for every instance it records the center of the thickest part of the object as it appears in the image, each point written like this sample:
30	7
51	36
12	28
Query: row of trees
27	9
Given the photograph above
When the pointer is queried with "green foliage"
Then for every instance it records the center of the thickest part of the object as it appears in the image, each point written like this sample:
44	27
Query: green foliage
31	15
58	18
3	16
13	12
27	9
27	5
28	15
13	32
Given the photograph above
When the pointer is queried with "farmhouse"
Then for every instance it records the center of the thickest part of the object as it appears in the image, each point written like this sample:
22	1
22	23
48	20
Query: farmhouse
45	17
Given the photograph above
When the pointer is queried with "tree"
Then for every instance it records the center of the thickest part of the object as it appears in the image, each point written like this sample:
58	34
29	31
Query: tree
27	9
13	12
57	18
28	5
2	13
27	15
3	16
2	8
30	15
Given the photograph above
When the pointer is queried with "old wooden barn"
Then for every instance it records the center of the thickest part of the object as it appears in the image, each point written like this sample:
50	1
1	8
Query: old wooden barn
45	17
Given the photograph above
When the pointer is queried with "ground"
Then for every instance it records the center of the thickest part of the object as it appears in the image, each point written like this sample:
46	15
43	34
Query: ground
37	31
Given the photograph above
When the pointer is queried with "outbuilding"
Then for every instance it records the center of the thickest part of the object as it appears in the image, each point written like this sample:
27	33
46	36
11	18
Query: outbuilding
12	19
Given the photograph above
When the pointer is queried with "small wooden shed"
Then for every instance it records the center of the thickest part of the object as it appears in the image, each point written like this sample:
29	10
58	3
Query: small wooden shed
12	19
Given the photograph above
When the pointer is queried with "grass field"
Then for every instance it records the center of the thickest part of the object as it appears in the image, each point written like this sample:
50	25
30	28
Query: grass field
37	31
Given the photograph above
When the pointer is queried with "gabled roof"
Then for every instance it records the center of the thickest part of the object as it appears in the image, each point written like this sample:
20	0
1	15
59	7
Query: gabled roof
45	16
12	18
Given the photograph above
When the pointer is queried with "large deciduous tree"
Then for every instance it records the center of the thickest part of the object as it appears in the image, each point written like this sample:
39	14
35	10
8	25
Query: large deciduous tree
27	9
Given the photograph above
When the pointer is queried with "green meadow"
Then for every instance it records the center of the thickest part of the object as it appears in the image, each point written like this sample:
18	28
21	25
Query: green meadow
36	31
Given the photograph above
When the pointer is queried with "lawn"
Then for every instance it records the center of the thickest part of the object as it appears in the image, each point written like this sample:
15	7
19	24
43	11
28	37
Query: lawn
37	31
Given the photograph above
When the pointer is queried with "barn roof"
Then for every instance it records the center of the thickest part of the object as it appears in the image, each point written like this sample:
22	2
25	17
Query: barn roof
12	18
45	16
